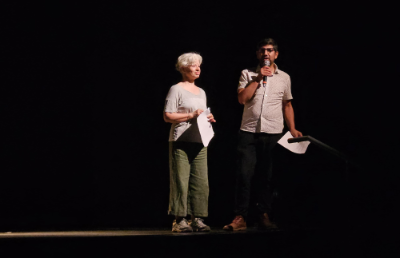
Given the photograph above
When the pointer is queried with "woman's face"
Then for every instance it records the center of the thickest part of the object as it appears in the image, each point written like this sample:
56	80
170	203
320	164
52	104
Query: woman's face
192	71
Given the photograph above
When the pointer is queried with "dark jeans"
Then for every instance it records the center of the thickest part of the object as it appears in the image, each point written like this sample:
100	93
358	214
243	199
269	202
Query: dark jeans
254	162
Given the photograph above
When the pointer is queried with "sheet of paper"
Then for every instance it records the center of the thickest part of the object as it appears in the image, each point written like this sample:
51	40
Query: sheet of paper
205	128
296	147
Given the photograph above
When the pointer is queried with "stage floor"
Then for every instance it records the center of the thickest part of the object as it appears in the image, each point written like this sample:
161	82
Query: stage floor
161	242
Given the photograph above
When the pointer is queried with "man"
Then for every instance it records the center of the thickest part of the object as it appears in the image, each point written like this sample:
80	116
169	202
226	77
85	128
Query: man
266	104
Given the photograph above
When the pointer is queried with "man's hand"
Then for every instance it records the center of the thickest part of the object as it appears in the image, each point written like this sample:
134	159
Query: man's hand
265	71
296	133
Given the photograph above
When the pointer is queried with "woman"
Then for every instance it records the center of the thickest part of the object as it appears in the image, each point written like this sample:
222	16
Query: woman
187	155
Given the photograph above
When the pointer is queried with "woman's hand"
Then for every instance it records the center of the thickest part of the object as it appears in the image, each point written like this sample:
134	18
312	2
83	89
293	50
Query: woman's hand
211	118
195	113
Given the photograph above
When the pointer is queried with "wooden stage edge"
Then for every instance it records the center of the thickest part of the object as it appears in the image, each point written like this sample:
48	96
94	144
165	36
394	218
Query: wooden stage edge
119	233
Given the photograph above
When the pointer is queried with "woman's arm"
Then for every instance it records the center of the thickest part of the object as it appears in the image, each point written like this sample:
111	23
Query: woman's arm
181	117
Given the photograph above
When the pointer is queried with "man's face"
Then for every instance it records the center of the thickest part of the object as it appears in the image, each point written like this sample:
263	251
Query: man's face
267	52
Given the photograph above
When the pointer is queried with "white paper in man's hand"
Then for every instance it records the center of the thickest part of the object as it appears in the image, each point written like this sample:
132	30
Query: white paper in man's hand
296	147
205	128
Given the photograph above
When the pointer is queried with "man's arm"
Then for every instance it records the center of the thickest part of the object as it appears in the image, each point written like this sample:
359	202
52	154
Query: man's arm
288	114
245	94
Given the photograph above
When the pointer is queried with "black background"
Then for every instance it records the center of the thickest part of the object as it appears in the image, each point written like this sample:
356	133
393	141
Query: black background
84	88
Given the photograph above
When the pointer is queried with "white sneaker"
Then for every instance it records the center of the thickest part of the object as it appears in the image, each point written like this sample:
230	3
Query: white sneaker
182	226
199	226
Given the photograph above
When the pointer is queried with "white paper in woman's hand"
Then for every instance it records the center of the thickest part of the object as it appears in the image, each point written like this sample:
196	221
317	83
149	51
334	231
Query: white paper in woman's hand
205	128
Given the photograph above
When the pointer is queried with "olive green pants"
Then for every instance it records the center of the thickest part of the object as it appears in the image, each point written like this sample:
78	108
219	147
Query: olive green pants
188	179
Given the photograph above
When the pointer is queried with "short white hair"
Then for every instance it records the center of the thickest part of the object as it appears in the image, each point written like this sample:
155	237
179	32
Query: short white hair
187	59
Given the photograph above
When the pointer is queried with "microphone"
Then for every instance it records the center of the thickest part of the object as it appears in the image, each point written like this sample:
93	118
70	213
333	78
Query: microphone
266	63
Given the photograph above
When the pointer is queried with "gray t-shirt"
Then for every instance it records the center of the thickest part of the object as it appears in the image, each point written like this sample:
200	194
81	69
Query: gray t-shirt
180	100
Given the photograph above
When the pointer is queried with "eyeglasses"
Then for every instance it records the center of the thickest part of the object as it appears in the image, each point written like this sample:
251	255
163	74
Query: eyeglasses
269	50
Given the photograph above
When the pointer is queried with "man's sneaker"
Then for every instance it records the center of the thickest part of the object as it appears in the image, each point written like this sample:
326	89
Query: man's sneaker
199	226
238	223
182	226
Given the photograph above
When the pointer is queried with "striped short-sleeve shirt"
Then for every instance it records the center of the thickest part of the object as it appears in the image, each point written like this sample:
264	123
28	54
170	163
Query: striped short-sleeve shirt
263	113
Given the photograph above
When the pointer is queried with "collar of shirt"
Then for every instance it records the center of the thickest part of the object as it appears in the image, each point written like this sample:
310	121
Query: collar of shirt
276	69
